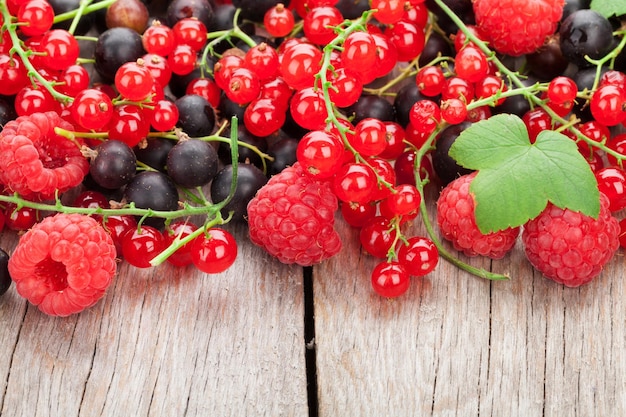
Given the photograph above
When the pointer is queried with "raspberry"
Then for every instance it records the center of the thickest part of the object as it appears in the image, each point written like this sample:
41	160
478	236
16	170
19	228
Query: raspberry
63	264
569	247
455	216
35	161
292	217
517	27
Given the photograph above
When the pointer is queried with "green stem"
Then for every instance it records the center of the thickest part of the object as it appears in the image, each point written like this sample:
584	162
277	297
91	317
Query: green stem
87	9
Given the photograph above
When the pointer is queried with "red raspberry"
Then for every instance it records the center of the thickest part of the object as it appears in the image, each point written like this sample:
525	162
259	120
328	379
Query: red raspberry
63	264
455	216
35	161
292	217
517	27
569	247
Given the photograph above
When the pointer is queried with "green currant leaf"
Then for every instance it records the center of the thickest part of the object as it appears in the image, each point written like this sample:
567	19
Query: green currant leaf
516	179
608	8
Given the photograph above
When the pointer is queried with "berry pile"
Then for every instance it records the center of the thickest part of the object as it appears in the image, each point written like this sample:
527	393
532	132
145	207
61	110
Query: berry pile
138	133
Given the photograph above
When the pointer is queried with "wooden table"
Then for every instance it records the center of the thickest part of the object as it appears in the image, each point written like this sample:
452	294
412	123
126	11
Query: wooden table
266	339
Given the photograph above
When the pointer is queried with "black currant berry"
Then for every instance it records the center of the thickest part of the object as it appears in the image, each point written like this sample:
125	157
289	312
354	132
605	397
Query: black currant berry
61	6
572	6
203	10
228	109
7	111
114	48
352	9
245	154
462	8
283	153
585	33
152	190
196	115
547	62
444	165
370	106
114	165
436	45
192	163
154	152
223	20
249	180
5	278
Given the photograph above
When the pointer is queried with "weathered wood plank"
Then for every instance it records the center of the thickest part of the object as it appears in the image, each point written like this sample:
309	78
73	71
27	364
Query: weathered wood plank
457	345
164	341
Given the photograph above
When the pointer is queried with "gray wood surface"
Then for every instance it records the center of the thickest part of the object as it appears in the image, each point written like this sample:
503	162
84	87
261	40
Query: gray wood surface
163	342
181	343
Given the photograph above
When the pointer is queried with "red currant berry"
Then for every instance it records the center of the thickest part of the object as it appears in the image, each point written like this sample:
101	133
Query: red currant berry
158	39
182	60
140	246
278	21
262	117
377	237
354	182
20	219
299	65
419	256
612	182
453	111
404	200
128	124
425	116
134	81
320	153
430	80
390	279
319	24
408	38
263	60
213	252
13	75
74	79
243	86
164	116
207	88
356	214
35	17
60	48
370	137
308	109
175	232
359	52
471	64
608	105
190	31
388	12
92	109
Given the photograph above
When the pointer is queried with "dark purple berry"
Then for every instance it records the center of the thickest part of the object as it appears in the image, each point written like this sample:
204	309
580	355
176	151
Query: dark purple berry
192	163
114	166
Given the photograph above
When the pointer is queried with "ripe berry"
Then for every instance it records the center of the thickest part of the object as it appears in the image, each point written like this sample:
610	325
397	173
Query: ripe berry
292	218
64	264
569	247
419	256
192	163
114	165
134	81
320	153
390	279
140	246
455	216
213	251
517	27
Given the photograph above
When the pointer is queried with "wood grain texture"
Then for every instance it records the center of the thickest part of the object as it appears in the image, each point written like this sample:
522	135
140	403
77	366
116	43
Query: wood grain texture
164	341
457	345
